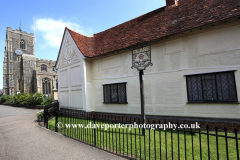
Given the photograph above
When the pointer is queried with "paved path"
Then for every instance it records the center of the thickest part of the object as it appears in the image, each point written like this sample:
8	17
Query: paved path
22	138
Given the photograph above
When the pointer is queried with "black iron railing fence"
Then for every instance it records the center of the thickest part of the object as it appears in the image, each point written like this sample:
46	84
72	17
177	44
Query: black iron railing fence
50	111
156	144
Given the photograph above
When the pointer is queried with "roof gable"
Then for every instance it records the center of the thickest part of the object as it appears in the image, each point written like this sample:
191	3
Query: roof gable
69	53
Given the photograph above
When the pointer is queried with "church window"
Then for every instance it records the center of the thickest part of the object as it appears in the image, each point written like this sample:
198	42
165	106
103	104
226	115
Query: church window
46	86
43	68
22	44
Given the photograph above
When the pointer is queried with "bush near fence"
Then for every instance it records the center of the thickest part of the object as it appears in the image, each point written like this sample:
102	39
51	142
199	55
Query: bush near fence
26	100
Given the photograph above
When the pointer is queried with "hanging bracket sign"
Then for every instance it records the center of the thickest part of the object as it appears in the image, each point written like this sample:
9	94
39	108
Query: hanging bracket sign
141	56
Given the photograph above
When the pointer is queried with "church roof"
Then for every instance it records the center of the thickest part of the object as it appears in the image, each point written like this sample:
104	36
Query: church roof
165	21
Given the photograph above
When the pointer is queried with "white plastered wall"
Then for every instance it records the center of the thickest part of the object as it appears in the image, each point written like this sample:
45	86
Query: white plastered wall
165	83
71	87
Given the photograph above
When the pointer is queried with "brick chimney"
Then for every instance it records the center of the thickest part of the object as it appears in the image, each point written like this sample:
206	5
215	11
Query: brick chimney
170	2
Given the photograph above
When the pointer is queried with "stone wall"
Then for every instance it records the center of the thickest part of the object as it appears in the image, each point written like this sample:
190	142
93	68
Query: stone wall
50	73
14	65
28	70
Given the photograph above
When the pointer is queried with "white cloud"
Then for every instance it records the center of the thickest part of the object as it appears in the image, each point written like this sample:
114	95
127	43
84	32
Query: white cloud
52	30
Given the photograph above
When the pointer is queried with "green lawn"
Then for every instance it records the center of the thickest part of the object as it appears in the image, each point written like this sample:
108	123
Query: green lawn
161	143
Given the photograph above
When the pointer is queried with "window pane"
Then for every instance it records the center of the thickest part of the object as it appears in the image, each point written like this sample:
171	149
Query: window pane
219	87
114	93
43	87
209	87
49	88
46	86
106	93
122	93
43	68
226	86
194	88
22	44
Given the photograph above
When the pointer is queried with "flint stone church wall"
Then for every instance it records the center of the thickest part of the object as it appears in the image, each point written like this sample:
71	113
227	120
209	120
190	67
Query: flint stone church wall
22	73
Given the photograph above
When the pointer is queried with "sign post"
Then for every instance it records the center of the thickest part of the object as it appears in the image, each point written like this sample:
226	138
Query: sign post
141	58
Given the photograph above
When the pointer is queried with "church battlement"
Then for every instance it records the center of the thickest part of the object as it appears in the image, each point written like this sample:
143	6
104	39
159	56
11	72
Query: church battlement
44	61
17	31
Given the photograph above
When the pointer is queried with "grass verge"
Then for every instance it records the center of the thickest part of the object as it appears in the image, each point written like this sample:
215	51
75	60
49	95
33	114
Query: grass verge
157	143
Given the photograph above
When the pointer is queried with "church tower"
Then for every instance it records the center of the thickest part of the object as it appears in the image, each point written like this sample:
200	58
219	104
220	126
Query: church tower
19	62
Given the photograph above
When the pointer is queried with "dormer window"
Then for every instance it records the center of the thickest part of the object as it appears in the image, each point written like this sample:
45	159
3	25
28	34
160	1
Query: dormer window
22	44
43	68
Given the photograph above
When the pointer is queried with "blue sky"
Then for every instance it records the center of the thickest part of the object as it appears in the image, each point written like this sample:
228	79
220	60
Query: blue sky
52	16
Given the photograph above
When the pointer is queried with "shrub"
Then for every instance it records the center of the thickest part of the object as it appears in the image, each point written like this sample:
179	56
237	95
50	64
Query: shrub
47	101
21	98
26	99
35	99
10	101
40	115
6	98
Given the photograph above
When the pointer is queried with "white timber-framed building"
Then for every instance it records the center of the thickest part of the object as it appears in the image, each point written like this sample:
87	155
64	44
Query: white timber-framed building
195	56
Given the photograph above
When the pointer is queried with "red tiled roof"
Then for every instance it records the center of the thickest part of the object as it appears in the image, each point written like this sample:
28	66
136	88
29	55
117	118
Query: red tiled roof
159	23
84	43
